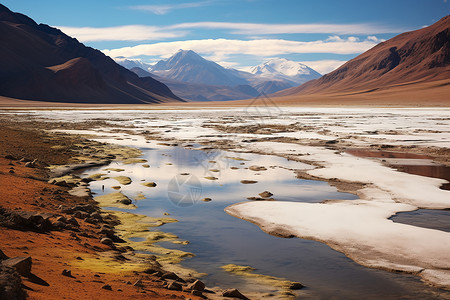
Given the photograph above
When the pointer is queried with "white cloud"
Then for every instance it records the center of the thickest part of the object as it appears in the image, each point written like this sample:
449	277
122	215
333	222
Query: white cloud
165	8
264	29
120	33
265	47
324	66
144	32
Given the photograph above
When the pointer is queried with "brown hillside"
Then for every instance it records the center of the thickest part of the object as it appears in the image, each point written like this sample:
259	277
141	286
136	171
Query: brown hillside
38	62
414	57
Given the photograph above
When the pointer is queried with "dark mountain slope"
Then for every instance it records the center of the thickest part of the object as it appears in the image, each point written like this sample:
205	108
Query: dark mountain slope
38	62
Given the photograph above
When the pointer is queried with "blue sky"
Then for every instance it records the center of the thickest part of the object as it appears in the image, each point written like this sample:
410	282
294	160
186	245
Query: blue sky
235	33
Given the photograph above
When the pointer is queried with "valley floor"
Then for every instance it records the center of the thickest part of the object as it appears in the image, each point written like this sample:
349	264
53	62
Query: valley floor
359	150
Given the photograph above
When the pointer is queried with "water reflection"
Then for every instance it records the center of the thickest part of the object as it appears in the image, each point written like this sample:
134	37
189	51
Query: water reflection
218	239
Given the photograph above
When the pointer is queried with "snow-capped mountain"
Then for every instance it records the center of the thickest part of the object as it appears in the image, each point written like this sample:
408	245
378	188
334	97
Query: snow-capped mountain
210	80
131	63
281	68
188	66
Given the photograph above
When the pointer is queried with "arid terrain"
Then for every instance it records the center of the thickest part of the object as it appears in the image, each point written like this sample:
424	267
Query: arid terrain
362	160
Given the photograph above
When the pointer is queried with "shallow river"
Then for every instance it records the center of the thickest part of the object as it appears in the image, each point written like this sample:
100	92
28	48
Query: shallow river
187	175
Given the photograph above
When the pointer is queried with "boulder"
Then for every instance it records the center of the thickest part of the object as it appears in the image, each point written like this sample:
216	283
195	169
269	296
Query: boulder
11	284
233	293
197	286
3	255
170	275
21	264
174	286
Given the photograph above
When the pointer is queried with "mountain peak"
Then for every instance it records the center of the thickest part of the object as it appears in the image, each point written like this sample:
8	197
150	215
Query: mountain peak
188	66
282	68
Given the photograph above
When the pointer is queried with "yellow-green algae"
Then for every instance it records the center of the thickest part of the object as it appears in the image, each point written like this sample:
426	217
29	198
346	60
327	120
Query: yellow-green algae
137	226
98	176
283	286
115	169
134	161
70	179
116	199
139	196
236	158
123	179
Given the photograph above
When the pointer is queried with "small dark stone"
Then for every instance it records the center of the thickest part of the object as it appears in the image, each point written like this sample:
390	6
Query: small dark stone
3	255
169	275
295	286
197	286
106	241
73	221
266	194
174	286
8	156
196	293
67	273
107	287
234	293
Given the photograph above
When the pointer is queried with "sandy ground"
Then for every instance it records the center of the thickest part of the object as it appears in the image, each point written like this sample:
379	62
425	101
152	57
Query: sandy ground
428	94
25	189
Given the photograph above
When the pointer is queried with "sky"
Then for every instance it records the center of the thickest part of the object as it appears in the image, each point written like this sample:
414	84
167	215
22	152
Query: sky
235	33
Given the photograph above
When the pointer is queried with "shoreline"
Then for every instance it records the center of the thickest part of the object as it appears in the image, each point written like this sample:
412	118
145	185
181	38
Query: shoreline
83	247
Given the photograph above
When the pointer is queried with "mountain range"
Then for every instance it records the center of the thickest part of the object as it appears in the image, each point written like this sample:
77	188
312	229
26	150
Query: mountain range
38	62
192	77
412	65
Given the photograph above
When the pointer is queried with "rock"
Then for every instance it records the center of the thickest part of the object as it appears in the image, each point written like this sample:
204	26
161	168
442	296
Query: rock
3	255
30	164
257	168
73	221
206	199
61	219
8	156
295	286
80	214
91	220
196	286
197	293
21	264
107	287
174	286
67	273
233	293
138	283
152	270
11	284
96	216
126	201
106	241
248	181
169	275
266	194
59	225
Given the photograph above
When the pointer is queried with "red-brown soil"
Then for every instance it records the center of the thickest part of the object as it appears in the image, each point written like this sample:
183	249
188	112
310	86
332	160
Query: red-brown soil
53	251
